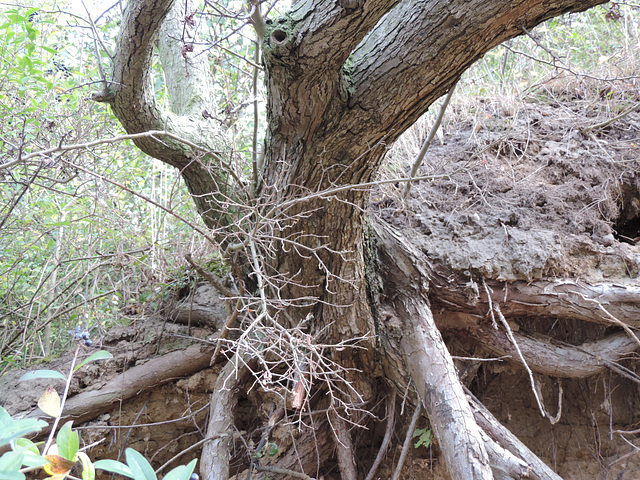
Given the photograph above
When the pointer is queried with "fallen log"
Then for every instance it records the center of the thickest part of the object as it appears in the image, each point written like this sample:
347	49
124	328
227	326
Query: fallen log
90	403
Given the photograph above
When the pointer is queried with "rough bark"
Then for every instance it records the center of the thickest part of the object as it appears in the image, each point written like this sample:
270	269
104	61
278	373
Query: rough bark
202	156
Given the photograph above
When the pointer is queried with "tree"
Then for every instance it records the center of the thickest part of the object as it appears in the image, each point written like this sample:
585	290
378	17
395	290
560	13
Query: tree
343	80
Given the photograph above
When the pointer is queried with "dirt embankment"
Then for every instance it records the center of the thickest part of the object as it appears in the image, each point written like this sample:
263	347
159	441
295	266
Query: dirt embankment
530	194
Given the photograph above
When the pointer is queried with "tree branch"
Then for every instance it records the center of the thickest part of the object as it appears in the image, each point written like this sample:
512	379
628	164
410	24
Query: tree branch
131	95
401	67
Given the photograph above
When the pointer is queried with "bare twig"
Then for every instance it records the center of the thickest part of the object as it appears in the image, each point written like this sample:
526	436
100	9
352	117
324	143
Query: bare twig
427	142
606	123
505	324
344	447
211	279
284	471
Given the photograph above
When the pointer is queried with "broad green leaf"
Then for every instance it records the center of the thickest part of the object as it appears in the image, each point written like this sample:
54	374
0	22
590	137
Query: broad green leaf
68	442
183	472
10	464
114	466
88	470
49	402
99	355
26	446
11	475
42	374
5	418
139	466
11	429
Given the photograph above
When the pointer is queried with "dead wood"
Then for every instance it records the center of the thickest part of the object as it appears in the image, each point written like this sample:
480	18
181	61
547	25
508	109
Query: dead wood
216	453
131	383
545	355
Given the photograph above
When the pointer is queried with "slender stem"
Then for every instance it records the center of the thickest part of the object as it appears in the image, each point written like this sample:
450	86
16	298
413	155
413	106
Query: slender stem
64	399
407	440
427	142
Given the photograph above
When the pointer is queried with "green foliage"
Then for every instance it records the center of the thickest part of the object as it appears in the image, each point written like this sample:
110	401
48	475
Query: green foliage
68	442
43	374
11	429
75	248
62	456
424	436
138	468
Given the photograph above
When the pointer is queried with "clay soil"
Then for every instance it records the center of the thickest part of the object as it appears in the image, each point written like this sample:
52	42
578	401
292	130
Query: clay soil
528	192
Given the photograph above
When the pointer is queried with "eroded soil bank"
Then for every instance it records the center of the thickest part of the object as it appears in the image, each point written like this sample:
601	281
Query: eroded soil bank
529	193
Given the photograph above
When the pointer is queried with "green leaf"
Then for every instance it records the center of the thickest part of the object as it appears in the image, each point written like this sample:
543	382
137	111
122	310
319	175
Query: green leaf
5	418
11	475
13	429
68	442
10	464
139	466
273	450
114	466
32	457
183	472
88	469
99	355
42	374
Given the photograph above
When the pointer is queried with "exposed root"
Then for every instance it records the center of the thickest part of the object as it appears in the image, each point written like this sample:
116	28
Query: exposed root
507	328
504	464
391	412
549	357
215	459
432	370
311	448
344	447
537	469
284	471
407	440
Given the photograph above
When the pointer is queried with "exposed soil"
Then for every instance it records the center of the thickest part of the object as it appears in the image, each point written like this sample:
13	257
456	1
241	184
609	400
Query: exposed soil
528	195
